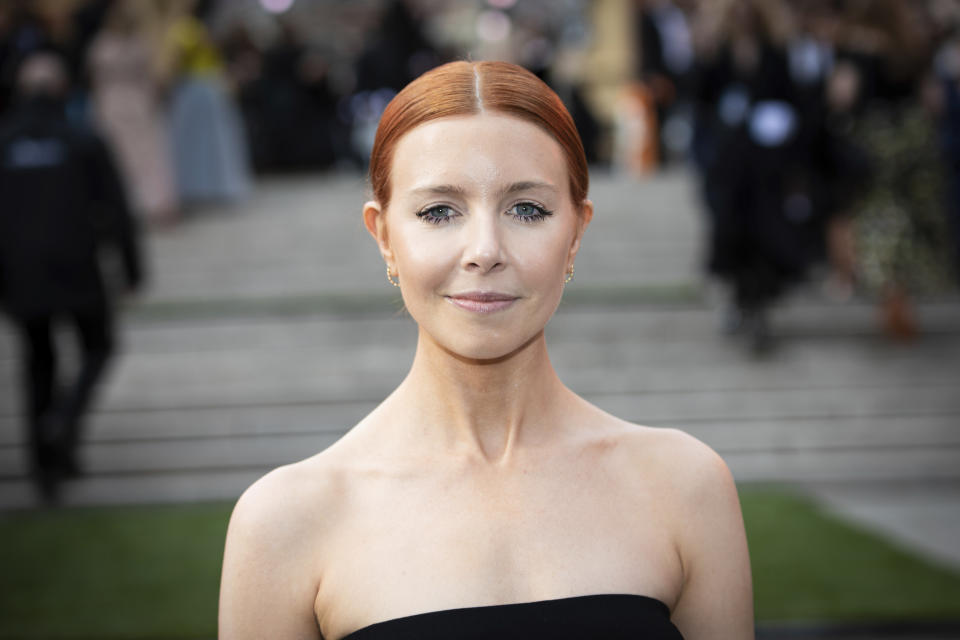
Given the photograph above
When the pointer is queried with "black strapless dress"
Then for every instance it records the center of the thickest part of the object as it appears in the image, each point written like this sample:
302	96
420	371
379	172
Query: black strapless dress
598	617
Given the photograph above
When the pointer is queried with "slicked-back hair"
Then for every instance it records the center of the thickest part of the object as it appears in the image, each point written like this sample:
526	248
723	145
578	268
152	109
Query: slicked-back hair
472	88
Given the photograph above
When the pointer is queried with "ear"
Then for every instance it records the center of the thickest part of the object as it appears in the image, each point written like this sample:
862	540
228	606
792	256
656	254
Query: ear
375	220
584	216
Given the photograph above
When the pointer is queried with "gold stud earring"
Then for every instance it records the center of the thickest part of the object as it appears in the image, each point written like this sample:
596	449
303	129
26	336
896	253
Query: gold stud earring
390	278
569	275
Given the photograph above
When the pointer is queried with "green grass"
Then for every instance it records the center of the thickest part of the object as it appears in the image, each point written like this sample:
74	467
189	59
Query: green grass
153	572
139	572
808	565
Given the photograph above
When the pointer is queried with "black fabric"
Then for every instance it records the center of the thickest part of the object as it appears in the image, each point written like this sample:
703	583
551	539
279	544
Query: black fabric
600	617
765	203
54	415
63	203
62	209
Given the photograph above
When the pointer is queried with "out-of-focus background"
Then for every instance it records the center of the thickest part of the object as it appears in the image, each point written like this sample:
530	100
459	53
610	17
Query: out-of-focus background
772	267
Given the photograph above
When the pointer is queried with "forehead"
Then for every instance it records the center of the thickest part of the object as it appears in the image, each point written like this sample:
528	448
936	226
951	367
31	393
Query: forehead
479	151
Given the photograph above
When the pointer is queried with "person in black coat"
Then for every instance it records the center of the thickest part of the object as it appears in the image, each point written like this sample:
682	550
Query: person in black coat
62	204
755	156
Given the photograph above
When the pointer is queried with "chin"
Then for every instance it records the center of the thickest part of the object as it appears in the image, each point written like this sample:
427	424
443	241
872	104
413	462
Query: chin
487	350
482	339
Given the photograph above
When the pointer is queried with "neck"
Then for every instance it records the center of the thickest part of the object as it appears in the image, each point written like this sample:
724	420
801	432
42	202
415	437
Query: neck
484	409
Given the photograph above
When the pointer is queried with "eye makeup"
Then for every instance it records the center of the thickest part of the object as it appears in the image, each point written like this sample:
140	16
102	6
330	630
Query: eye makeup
526	212
437	214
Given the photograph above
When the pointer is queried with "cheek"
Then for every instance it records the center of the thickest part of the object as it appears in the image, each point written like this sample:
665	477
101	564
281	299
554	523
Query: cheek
545	256
424	258
429	258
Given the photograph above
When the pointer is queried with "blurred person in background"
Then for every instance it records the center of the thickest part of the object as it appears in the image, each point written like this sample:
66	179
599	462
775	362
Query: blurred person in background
899	226
947	66
23	30
27	26
394	53
210	152
838	158
564	77
397	51
665	65
87	19
754	154
288	104
126	87
63	204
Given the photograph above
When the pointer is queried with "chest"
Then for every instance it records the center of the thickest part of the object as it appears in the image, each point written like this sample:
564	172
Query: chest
424	545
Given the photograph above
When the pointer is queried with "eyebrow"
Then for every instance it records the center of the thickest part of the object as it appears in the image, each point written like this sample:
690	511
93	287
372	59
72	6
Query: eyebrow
515	187
527	186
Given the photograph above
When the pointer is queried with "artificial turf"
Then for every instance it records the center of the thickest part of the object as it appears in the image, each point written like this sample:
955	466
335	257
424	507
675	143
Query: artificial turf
153	572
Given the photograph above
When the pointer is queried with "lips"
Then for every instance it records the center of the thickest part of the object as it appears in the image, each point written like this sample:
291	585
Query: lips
482	301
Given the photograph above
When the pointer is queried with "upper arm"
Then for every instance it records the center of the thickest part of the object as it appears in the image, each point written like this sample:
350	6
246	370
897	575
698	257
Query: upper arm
266	587
716	600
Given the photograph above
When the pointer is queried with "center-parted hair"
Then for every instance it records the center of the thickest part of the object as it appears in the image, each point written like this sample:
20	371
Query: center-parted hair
470	88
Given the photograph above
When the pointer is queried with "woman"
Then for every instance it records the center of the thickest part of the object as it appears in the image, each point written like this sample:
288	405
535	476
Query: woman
209	144
126	96
899	227
483	498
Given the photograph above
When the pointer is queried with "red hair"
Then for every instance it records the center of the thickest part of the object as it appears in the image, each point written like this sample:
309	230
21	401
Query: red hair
469	88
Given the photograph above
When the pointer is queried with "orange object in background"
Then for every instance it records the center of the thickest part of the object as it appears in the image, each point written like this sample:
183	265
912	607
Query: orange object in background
636	133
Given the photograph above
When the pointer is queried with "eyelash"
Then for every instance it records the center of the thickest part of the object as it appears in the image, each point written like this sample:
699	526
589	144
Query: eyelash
427	215
541	212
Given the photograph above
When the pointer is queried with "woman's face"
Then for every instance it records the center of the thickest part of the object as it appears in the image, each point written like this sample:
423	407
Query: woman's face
481	231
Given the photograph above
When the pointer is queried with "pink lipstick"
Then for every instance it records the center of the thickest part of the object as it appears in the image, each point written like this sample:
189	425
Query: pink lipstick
482	301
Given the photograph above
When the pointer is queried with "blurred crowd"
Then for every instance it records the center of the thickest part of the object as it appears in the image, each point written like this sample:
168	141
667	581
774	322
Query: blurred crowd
120	113
824	131
195	95
148	78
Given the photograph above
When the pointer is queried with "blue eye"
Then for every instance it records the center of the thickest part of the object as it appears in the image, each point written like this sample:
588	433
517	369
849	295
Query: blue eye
528	212
437	214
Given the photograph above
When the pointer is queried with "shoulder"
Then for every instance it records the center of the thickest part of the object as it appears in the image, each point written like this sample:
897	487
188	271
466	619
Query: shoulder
699	466
695	486
298	505
701	508
287	501
689	464
272	565
703	488
279	524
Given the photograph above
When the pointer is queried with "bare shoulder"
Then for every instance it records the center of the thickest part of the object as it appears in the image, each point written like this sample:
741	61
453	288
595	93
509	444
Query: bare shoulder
699	499
702	487
302	502
695	488
687	464
289	499
272	562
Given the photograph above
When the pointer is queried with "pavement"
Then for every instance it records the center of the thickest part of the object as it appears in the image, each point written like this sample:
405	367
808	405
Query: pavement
269	329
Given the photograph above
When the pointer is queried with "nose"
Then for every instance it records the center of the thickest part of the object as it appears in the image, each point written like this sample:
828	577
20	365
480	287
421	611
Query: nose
483	247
